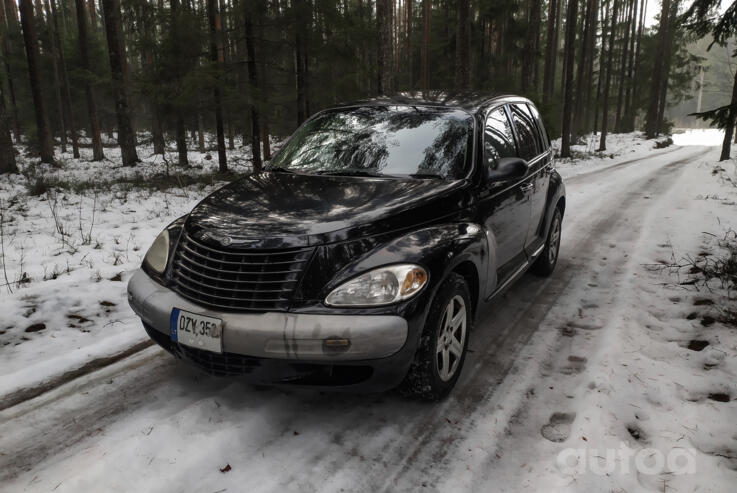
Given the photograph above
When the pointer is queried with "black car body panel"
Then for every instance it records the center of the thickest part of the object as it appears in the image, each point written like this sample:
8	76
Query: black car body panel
489	232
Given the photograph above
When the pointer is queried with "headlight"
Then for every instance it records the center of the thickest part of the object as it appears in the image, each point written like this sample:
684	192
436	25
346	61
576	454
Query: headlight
381	286
158	254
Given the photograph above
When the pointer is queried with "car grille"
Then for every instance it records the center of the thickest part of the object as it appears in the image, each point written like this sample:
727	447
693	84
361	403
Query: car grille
237	279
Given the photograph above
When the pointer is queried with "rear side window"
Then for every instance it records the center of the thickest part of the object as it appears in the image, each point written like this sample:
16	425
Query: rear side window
498	137
527	136
543	134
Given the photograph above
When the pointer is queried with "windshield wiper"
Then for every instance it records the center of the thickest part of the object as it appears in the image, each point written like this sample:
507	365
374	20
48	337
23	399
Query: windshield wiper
278	169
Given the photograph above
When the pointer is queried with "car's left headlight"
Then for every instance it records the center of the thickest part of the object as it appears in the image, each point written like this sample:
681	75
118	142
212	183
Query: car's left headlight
382	286
158	255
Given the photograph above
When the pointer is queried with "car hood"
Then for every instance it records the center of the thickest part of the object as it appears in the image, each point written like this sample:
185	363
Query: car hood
276	210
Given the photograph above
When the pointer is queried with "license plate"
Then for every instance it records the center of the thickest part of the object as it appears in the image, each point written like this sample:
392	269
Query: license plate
197	331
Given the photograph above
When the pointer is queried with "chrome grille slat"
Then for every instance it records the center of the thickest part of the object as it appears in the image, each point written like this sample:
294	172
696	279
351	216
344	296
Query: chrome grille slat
237	290
239	271
237	279
231	262
218	279
230	298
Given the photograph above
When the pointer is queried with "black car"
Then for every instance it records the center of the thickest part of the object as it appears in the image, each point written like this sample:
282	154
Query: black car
360	256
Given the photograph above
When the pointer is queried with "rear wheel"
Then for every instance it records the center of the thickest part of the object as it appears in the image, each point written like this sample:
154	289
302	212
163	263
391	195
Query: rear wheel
442	349
545	263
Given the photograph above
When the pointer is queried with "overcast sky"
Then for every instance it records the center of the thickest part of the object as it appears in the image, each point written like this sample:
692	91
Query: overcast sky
654	6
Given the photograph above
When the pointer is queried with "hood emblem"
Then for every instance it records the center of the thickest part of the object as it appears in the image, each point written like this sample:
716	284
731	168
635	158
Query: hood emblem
223	240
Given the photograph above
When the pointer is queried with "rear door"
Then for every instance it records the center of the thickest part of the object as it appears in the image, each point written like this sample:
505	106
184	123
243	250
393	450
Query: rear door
535	148
505	206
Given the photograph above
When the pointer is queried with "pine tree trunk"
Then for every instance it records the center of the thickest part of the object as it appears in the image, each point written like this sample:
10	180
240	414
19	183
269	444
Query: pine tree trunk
305	59
727	142
408	49
608	80
91	10
264	84
589	86
147	58
463	46
589	32
632	111
45	147
200	129
426	46
216	57
157	133
181	131
558	26
652	124
97	154
9	19
535	21
118	70
7	153
384	25
570	54
630	71
57	77
623	81
299	60
67	95
605	24
666	66
551	51
253	82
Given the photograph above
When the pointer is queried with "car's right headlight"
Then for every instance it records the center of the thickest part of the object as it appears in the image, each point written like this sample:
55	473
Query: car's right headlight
158	255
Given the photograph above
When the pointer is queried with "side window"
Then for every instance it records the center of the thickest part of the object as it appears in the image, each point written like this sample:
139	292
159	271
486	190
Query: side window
498	137
543	133
527	135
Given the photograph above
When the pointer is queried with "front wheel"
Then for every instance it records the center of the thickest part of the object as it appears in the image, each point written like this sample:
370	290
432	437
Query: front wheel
545	263
442	349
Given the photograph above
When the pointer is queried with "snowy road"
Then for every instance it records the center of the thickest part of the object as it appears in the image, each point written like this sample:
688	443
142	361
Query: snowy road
148	423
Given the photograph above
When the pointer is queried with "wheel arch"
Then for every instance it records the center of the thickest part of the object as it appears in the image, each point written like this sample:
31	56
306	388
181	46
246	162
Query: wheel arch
470	274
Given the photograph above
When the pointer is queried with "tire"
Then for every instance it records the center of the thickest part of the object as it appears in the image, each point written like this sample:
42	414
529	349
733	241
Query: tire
437	366
545	263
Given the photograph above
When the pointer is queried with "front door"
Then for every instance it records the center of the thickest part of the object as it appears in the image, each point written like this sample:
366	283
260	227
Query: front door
505	206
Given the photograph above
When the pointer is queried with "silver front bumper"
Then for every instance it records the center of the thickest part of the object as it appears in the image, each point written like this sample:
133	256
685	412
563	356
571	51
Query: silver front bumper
294	336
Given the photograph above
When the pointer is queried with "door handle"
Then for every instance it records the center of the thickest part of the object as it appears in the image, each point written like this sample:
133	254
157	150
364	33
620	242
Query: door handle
526	187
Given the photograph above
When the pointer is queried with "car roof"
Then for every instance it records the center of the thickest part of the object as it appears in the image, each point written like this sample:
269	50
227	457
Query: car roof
471	101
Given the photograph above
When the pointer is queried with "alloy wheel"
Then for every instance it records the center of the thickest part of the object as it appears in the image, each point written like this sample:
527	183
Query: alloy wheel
451	338
554	245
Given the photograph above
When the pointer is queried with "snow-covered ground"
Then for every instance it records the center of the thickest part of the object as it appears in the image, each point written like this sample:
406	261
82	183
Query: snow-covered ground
67	253
610	356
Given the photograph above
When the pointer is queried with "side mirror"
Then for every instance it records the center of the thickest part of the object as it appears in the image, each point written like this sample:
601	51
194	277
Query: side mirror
508	168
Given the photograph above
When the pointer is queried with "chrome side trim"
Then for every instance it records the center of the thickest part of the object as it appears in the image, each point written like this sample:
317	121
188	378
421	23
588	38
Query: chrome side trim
520	270
538	251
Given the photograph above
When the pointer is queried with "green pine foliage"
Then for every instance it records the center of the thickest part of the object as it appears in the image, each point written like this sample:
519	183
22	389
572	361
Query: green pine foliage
170	72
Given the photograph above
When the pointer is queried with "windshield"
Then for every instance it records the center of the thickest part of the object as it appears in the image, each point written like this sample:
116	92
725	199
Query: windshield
380	140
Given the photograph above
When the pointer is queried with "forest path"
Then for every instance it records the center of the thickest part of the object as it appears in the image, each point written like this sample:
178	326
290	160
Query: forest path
149	423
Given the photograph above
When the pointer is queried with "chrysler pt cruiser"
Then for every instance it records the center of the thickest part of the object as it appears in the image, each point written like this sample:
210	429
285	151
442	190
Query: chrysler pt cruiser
359	257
